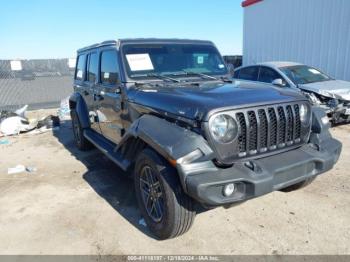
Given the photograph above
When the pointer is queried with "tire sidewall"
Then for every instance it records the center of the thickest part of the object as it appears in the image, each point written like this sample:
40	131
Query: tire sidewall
163	171
75	120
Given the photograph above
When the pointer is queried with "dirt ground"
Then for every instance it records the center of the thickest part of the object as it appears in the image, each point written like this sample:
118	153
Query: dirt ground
78	203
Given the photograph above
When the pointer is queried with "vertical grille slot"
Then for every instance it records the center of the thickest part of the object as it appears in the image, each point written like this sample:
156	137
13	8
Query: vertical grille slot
263	128
297	122
242	138
273	128
253	131
290	122
281	125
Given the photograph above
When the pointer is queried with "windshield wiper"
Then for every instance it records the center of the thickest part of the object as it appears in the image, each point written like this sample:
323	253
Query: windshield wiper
163	77
222	78
189	73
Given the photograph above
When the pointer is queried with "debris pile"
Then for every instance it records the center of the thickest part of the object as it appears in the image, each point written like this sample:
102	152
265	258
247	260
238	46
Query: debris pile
14	123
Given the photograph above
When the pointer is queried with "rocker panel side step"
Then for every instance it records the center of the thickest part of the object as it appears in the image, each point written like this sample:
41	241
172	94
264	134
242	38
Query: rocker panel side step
106	147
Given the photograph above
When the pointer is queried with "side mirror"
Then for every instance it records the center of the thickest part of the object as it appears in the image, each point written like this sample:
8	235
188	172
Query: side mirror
279	82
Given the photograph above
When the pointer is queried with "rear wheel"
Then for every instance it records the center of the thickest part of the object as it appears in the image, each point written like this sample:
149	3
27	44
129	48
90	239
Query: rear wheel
299	185
167	210
80	140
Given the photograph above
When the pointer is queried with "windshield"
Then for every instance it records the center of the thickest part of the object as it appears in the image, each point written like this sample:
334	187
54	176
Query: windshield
302	74
146	60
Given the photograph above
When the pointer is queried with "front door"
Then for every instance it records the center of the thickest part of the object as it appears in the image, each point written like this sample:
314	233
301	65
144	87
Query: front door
108	96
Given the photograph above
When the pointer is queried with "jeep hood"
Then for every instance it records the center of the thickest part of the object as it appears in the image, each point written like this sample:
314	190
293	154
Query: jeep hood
333	89
199	101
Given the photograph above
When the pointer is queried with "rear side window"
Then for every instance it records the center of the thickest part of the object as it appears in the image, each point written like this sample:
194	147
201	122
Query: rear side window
109	67
80	71
93	68
249	73
267	75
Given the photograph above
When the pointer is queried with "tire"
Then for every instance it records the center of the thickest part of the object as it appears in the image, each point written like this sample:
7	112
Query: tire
298	185
171	212
81	142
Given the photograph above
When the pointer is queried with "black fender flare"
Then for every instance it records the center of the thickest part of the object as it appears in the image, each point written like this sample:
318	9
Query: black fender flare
319	127
168	139
76	102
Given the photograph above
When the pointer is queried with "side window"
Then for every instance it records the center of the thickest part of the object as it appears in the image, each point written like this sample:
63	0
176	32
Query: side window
267	75
249	73
109	67
93	67
79	72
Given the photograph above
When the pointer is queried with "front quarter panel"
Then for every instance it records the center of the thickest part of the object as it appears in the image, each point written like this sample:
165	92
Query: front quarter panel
168	139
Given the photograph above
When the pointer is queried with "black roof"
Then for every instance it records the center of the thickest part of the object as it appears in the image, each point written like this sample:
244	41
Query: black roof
143	40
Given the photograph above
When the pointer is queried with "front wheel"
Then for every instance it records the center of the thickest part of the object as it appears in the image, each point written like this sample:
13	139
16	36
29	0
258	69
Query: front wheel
167	210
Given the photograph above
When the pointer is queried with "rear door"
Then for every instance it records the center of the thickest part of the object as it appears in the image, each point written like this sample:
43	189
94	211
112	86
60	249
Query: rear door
90	83
108	95
80	75
83	86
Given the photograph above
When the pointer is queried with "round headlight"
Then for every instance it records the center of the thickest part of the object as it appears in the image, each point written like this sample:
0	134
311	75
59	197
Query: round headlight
304	113
223	128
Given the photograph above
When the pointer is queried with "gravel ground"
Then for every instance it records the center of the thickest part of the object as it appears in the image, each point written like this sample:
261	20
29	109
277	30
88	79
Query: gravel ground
78	203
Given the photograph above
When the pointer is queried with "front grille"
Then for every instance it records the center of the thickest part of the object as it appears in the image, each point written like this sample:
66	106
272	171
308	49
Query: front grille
267	129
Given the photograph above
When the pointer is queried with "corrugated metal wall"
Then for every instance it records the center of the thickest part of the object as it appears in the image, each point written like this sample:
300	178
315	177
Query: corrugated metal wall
314	32
38	83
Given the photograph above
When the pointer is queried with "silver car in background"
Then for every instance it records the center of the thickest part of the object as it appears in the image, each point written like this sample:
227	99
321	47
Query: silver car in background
321	89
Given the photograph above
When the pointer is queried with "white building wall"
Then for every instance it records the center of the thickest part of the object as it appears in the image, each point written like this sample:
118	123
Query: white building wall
313	32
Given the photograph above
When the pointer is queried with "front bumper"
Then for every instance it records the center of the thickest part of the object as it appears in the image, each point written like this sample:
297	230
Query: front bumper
205	182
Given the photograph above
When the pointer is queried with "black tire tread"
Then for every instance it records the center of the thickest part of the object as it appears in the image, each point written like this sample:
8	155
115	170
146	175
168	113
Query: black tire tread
186	216
184	206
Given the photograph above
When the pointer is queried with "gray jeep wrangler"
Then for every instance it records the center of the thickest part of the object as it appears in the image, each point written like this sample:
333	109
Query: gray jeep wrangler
165	111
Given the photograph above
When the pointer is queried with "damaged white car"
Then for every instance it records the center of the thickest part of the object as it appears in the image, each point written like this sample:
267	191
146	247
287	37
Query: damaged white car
322	90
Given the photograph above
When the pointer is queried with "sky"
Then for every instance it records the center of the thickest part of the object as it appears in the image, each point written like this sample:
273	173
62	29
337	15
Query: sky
35	29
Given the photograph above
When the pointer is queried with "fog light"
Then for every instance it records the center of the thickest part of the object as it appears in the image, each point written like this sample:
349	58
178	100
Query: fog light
229	189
